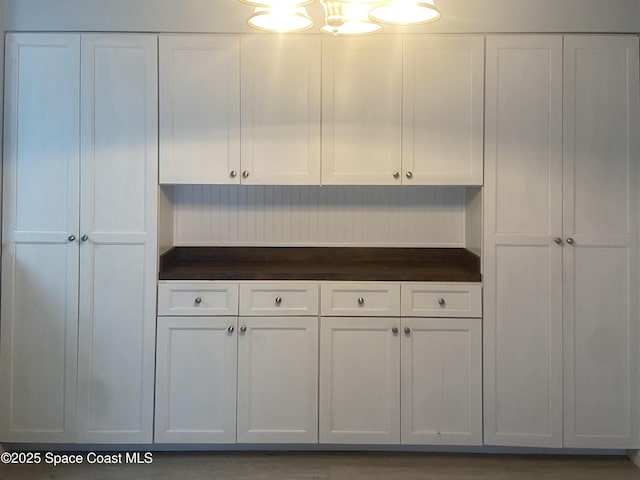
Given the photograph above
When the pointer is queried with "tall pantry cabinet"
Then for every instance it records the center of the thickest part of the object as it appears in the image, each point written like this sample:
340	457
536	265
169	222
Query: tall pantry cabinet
79	238
561	241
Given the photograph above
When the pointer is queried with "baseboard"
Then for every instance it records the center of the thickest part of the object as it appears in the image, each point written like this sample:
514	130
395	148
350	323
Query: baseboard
634	456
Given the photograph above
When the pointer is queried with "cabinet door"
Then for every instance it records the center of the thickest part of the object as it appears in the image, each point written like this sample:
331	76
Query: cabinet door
280	110
601	266
39	262
443	110
278	380
441	397
361	111
523	265
199	109
359	380
118	258
196	380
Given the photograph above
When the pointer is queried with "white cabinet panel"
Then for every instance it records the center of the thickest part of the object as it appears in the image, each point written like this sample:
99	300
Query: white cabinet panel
38	348
372	299
359	380
279	298
441	300
280	110
196	380
441	397
522	277
197	298
443	110
361	110
199	82
118	257
278	380
601	266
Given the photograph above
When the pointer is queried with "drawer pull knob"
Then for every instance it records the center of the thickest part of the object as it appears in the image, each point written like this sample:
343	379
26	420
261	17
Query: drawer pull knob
197	301
442	302
407	330
72	238
570	241
84	238
230	329
278	301
243	329
395	330
361	301
558	240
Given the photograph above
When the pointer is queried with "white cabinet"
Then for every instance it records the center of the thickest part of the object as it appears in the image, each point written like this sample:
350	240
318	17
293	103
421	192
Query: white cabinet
403	110
199	84
361	111
222	378
443	110
561	241
280	110
360	380
600	219
197	355
82	244
196	380
441	379
278	380
391	380
239	109
39	328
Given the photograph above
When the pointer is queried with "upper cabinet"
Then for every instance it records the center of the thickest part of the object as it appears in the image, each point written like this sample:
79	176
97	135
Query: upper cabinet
362	111
207	99
280	110
264	110
443	110
199	109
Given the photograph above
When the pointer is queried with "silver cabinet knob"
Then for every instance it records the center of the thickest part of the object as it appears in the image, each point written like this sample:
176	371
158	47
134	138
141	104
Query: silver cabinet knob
230	329
72	238
396	174
245	174
198	301
558	240
395	330
570	241
243	329
84	238
361	301
407	330
409	175
278	301
441	302
233	174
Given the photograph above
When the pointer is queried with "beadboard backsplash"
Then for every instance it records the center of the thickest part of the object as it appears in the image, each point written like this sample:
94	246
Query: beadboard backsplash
318	216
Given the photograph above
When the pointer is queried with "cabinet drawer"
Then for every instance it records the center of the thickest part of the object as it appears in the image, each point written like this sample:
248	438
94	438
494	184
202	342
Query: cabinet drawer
280	298
197	298
441	300
360	299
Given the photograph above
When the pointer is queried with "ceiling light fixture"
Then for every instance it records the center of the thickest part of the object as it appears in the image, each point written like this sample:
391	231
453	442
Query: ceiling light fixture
342	17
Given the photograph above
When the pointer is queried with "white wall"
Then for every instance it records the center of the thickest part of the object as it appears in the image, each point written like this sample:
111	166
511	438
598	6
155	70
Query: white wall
483	16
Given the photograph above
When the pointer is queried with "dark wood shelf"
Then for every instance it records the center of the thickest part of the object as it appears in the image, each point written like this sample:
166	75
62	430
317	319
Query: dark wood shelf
320	263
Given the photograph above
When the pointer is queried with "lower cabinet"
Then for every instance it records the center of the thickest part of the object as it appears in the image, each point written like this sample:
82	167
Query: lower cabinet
391	380
278	380
229	378
238	366
196	380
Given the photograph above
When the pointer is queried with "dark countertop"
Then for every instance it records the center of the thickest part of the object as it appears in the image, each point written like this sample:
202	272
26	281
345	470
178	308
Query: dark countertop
320	263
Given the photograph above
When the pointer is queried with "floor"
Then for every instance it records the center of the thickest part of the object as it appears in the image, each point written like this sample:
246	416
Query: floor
337	466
